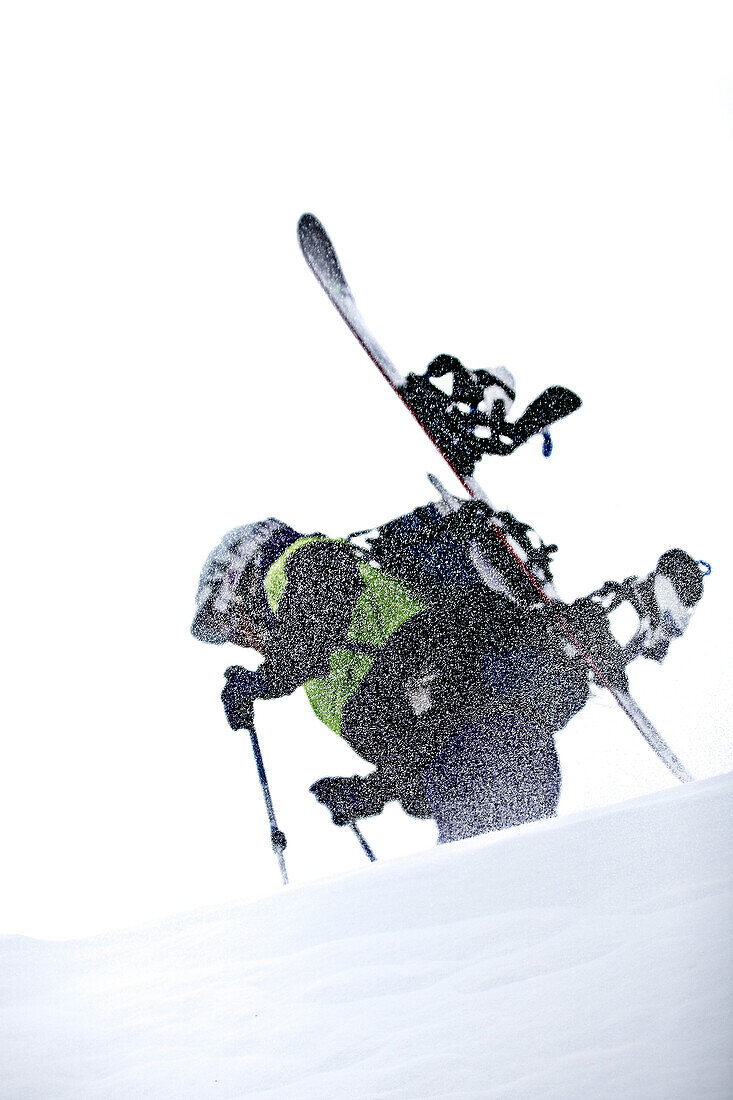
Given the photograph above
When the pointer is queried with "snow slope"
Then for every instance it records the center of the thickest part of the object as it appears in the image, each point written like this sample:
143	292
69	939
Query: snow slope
585	957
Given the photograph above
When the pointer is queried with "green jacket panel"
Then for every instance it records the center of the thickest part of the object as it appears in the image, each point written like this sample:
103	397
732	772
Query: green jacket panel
381	609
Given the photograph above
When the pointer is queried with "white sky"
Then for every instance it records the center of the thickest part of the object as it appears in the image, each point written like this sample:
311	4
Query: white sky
543	186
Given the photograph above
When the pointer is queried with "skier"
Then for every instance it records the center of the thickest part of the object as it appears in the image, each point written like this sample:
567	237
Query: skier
455	701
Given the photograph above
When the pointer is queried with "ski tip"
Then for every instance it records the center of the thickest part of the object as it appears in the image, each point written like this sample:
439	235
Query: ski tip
312	238
320	255
309	226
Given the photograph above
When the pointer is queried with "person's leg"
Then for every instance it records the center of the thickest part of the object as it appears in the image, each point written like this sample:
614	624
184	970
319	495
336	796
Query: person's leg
496	772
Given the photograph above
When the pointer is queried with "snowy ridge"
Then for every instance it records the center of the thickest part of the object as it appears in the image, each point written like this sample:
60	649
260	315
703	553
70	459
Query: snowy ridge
589	956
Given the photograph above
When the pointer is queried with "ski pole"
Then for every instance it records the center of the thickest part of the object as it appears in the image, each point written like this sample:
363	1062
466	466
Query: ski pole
279	841
362	840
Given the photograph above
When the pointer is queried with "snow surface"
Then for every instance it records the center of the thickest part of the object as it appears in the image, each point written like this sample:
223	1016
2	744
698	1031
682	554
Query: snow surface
589	956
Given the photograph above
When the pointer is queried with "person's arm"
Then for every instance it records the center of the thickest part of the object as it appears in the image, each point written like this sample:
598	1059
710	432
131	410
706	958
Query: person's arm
313	617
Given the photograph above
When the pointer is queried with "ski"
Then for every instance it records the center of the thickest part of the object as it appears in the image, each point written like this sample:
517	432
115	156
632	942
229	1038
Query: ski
321	257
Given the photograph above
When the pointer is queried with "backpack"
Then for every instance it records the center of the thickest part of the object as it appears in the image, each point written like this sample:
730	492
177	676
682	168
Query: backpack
525	664
429	550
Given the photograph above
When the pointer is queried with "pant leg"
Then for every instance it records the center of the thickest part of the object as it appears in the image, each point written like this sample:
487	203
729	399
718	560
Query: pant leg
496	772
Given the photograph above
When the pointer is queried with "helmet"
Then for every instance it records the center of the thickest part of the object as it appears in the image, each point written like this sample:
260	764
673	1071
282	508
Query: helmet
232	562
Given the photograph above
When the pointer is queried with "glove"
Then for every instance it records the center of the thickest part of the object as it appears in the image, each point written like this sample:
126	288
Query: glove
348	798
238	697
